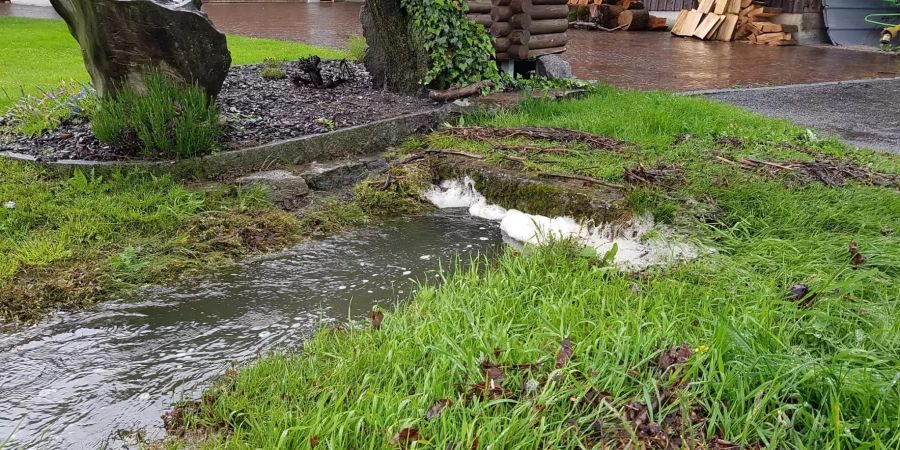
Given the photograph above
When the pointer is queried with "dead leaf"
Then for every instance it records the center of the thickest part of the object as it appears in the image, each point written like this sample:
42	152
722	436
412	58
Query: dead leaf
405	437
437	408
474	445
492	370
314	440
857	258
565	354
376	316
679	354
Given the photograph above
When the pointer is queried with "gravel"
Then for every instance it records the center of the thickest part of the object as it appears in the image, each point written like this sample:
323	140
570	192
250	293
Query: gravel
255	110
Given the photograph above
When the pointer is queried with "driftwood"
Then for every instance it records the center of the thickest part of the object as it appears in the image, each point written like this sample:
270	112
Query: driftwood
581	178
451	94
311	74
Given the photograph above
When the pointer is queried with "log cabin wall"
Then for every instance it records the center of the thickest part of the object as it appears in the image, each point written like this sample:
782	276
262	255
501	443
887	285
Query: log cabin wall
789	6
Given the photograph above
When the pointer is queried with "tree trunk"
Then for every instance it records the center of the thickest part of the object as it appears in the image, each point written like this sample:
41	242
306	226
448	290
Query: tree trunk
395	56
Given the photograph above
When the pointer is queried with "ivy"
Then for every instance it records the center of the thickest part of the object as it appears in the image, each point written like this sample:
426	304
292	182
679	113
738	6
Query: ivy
461	52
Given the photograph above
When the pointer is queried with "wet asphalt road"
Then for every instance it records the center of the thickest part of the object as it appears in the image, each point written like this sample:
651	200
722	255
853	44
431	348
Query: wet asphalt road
865	114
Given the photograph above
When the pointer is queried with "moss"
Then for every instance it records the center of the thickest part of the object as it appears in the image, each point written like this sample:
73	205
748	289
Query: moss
513	189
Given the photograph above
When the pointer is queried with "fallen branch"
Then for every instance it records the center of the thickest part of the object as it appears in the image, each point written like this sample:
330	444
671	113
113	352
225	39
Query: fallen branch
451	94
454	152
582	178
770	164
593	26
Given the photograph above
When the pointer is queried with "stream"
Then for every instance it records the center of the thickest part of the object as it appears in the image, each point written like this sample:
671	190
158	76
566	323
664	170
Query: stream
88	379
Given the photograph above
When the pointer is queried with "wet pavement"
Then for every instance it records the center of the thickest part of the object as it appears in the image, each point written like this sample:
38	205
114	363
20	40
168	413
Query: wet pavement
862	113
648	60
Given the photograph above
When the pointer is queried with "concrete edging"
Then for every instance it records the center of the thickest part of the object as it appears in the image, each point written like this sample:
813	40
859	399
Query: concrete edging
359	140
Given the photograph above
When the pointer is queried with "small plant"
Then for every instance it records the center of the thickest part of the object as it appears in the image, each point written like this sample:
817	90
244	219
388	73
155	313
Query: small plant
34	115
273	70
171	119
330	124
356	47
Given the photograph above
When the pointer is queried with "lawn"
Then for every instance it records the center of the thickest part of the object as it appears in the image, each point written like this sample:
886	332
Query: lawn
39	53
481	361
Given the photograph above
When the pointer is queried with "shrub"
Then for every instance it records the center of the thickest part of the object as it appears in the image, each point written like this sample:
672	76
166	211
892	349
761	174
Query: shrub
171	119
274	70
356	47
33	115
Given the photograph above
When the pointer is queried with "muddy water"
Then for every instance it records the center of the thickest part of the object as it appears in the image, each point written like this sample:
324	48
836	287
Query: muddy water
84	379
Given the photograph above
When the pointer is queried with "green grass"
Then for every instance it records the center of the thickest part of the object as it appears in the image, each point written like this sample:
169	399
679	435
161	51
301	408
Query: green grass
41	53
766	370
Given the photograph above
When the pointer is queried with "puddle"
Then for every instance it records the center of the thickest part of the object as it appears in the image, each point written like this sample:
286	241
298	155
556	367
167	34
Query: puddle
84	379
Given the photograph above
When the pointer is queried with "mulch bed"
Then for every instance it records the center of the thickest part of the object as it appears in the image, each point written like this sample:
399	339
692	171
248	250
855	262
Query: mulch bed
256	111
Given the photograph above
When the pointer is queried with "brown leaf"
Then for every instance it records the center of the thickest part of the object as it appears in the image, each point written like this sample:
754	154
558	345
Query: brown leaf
565	354
376	316
405	437
800	293
674	356
437	408
492	370
592	398
314	440
857	258
474	445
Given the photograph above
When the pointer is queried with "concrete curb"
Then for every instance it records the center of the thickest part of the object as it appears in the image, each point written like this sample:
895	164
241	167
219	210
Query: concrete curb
783	87
347	142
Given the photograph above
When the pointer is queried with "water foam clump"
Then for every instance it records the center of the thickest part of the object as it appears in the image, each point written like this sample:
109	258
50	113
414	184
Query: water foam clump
636	247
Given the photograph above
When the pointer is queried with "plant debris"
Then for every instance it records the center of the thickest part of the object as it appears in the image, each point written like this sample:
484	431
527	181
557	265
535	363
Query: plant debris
669	177
437	408
405	437
856	258
376	317
833	172
561	135
800	293
677	355
565	354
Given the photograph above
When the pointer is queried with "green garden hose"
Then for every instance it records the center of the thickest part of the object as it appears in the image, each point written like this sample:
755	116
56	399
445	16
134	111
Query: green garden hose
890	22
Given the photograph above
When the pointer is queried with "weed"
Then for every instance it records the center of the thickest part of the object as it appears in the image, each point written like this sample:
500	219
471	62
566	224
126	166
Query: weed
273	70
356	48
34	115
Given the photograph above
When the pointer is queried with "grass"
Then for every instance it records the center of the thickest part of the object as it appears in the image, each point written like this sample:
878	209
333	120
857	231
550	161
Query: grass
41	53
818	372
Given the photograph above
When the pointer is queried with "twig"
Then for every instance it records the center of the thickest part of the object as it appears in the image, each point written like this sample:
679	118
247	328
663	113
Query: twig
454	152
582	178
770	164
726	160
594	26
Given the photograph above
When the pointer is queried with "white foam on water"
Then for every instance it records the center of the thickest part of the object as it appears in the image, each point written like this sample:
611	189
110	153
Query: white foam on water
636	247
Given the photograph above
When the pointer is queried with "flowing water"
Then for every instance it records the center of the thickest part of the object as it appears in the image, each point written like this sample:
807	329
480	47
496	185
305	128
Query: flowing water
86	379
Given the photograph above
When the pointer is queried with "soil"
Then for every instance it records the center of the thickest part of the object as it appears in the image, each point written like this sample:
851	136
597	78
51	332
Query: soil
255	110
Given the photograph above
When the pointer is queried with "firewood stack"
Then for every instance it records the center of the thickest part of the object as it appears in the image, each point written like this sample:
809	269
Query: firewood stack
729	20
630	15
523	29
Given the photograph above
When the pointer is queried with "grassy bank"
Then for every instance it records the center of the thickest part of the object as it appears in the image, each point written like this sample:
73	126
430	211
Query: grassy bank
483	362
39	53
70	241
